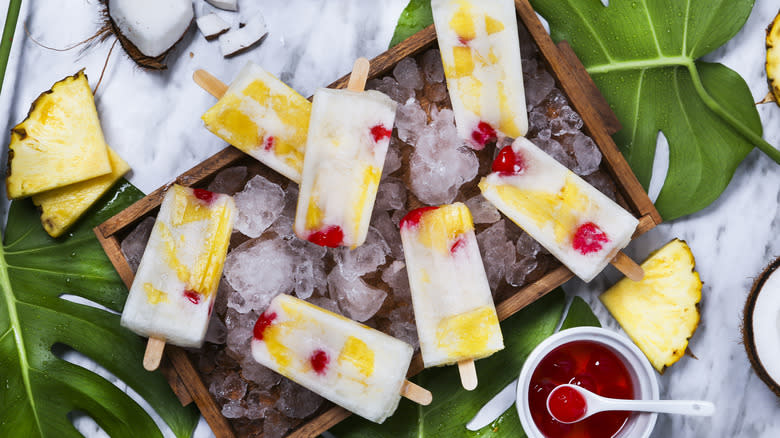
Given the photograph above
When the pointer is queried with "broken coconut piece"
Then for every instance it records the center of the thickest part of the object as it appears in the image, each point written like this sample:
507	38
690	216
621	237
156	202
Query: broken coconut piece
228	5
212	26
760	326
660	312
59	143
62	207
152	27
238	40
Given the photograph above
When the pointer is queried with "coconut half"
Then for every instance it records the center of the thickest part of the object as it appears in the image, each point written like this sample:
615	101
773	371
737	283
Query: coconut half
148	29
228	5
761	326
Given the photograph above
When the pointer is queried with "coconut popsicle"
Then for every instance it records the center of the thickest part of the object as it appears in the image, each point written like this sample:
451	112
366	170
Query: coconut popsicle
176	283
352	365
480	51
578	224
349	132
453	307
265	118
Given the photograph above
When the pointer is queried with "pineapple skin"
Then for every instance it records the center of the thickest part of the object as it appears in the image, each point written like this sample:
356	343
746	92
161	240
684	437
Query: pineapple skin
62	207
659	313
773	57
59	143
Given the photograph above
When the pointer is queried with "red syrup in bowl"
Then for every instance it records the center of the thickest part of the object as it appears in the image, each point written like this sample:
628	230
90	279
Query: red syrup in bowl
591	365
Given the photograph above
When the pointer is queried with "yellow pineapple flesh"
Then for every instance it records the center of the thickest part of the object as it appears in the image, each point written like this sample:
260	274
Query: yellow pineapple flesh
773	58
59	143
660	312
62	207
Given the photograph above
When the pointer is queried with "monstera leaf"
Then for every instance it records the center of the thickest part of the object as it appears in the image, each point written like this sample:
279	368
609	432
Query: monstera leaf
643	55
452	406
37	325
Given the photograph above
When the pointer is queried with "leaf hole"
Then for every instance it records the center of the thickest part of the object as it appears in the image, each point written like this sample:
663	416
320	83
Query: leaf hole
83	301
86	425
660	167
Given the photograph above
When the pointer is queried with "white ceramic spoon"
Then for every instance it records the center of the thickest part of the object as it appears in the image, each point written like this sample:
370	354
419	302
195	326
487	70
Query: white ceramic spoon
575	403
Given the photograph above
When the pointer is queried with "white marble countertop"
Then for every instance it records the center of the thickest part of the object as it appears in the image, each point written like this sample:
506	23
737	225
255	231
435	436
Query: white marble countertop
153	121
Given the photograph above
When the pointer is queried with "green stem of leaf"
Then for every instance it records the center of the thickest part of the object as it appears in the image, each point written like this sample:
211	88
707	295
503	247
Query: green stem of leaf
713	105
8	36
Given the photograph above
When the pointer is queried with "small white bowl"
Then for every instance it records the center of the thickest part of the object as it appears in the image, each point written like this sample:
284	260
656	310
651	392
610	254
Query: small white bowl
639	425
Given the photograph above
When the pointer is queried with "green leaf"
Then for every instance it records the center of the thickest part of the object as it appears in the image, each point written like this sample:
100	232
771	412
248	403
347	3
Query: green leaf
642	55
8	36
453	406
416	16
41	389
580	315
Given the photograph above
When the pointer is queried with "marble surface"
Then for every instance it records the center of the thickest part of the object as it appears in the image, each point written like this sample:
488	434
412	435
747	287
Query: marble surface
153	121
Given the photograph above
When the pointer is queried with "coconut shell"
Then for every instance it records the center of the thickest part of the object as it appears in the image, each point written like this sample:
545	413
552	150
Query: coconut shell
747	327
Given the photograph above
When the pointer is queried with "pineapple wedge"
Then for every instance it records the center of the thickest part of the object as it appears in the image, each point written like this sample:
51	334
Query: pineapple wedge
660	312
59	143
773	58
62	207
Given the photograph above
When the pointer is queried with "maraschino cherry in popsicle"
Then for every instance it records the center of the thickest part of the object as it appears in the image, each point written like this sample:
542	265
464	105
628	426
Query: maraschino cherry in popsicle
453	307
359	368
349	132
579	225
174	289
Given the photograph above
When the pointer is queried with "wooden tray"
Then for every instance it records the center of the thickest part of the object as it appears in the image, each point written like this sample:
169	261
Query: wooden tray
599	123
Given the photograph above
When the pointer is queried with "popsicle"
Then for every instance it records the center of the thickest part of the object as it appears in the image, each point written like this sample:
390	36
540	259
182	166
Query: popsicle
359	368
579	225
480	52
349	132
173	292
453	307
263	117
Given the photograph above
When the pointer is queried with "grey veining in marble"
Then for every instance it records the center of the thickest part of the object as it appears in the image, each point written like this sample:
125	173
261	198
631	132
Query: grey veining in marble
153	121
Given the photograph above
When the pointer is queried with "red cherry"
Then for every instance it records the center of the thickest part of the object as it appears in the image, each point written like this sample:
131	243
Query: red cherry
458	245
379	132
263	322
589	238
269	143
204	195
508	162
331	237
483	134
193	296
319	361
567	404
412	219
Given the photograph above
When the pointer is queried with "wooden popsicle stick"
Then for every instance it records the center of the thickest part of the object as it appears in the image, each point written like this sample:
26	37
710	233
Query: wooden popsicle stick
416	393
357	80
628	267
208	82
468	374
153	354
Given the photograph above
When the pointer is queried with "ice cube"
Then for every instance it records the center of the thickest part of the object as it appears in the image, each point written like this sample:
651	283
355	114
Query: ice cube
232	387
229	180
391	194
260	270
408	74
357	300
396	277
390	87
296	401
275	424
258	401
259	204
393	160
519	270
134	244
366	258
263	376
432	67
410	119
233	409
482	211
586	153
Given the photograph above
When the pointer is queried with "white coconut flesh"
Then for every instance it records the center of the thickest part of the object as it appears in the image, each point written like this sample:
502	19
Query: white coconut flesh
240	39
153	26
766	325
211	25
228	5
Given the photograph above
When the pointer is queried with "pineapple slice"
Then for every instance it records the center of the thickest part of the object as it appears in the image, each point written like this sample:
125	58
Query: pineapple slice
62	207
773	59
660	312
59	143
